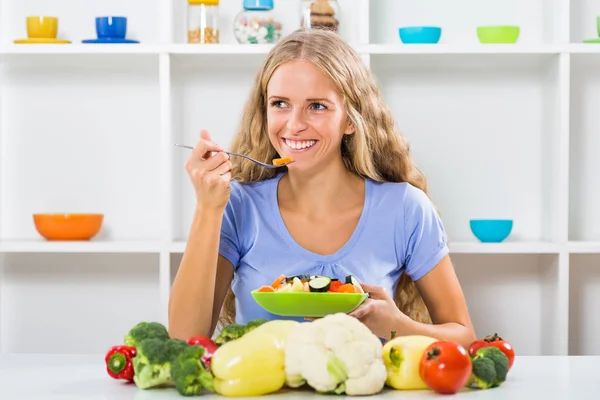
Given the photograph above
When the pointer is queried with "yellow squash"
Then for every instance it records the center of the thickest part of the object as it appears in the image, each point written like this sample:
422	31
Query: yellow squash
254	364
401	357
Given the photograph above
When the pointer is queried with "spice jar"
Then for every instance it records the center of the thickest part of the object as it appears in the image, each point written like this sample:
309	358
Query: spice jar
203	17
256	23
320	14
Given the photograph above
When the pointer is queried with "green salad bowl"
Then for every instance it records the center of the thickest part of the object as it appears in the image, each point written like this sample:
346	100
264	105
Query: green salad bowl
498	34
308	304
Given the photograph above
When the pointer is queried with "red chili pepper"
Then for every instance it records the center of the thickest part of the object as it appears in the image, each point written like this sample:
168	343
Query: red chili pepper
118	362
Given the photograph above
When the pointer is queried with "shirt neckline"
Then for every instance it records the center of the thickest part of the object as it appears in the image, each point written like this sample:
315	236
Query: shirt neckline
315	257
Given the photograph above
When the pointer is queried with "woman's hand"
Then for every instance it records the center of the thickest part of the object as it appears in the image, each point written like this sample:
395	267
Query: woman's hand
210	173
379	312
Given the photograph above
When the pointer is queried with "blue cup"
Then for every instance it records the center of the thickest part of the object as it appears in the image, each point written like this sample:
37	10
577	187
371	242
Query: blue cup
111	27
420	34
491	230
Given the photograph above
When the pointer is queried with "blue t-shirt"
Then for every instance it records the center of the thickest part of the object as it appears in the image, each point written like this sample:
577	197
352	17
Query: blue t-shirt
398	230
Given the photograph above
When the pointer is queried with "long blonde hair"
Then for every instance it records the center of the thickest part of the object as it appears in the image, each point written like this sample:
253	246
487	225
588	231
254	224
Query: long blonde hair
375	150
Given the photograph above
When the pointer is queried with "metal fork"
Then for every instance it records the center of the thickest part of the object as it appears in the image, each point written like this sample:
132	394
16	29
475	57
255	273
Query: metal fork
244	156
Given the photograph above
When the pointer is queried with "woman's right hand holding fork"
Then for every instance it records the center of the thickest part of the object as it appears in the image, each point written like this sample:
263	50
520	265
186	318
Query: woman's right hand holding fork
210	173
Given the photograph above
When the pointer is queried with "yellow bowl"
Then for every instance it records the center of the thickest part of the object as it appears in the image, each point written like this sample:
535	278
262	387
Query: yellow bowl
42	27
68	226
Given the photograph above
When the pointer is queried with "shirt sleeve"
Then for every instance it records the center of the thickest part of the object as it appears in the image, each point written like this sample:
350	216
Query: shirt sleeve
229	245
425	240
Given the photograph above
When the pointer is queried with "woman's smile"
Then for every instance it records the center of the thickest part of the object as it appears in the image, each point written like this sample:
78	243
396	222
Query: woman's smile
299	145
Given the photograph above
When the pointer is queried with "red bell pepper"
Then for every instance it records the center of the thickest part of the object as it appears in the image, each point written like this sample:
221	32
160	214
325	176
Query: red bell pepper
118	362
209	347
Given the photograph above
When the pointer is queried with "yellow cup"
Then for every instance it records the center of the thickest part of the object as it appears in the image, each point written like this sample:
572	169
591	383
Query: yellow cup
42	27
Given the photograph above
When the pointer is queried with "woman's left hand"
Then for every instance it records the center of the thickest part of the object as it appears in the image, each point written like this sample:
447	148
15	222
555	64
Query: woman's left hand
379	312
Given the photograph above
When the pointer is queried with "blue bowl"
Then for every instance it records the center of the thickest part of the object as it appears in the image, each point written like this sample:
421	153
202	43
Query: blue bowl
420	34
491	230
111	27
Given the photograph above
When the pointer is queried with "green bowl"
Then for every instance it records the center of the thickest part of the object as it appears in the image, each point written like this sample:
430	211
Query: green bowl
498	34
308	304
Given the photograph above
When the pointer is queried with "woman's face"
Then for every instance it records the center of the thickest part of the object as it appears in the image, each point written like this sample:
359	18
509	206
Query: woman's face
305	116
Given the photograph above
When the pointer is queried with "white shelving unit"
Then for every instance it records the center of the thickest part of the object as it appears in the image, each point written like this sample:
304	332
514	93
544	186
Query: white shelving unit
502	131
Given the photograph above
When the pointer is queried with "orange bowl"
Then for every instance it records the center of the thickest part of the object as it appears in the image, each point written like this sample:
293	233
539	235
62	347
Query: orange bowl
68	226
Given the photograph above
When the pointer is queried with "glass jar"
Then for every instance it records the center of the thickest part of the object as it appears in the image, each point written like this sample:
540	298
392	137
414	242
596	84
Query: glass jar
256	23
320	14
203	18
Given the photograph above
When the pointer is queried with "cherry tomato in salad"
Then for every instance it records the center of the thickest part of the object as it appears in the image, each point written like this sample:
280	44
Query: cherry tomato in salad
334	286
445	367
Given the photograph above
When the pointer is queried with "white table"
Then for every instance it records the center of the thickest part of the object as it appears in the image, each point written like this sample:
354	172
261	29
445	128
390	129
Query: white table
53	377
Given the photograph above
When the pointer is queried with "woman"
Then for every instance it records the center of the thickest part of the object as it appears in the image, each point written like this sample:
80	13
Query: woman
353	202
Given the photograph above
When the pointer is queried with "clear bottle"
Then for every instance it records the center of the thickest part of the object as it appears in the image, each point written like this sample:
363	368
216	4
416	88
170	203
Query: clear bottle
203	18
320	14
257	24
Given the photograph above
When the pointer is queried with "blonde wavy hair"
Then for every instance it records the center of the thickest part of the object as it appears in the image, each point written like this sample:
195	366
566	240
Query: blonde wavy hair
375	150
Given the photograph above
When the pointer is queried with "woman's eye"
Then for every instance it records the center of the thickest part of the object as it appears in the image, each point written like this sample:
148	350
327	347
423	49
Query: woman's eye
277	103
318	106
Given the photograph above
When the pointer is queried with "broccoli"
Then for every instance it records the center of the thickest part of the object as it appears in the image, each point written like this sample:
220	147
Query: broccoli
230	332
146	330
236	331
189	372
152	364
255	323
490	367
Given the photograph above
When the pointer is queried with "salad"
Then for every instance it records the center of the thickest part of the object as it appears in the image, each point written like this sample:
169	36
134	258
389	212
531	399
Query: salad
313	284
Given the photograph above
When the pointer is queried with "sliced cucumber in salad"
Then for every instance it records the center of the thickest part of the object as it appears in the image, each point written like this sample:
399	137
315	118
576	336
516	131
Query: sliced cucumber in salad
303	277
319	284
352	279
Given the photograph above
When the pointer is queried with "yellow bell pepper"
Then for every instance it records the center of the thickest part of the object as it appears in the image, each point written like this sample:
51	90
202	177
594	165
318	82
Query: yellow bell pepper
254	364
279	329
402	356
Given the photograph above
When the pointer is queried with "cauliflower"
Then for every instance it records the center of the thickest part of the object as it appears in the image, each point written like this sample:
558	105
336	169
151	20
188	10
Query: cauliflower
335	354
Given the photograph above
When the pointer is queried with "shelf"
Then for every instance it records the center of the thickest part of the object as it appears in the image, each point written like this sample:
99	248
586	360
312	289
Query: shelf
77	22
583	20
497	287
219	49
216	52
504	248
584	291
501	131
81	303
584	247
178	247
584	48
585	142
81	137
42	246
470	49
474	116
288	13
16	51
459	19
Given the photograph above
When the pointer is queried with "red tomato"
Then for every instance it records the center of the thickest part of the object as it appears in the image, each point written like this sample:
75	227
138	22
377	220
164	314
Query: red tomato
445	367
476	345
209	347
333	287
496	341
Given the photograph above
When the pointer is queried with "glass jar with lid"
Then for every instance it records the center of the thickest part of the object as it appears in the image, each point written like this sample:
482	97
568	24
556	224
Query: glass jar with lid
257	23
320	14
203	18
